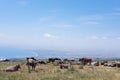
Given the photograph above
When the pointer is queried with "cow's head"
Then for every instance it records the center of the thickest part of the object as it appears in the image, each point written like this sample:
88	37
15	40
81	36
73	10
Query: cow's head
18	66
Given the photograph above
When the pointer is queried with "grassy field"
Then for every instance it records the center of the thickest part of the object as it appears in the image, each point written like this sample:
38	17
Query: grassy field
52	72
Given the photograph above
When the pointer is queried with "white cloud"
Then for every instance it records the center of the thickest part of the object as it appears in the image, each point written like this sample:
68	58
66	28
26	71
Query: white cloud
92	37
47	35
96	37
2	36
53	22
49	41
118	38
90	22
104	38
90	19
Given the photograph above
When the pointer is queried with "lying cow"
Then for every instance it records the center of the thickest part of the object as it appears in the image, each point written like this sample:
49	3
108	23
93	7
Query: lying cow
110	64
12	68
104	62
95	63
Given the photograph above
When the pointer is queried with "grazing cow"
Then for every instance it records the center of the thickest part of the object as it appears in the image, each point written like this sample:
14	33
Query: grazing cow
4	60
53	59
85	60
65	60
57	58
12	68
69	60
41	62
31	61
65	66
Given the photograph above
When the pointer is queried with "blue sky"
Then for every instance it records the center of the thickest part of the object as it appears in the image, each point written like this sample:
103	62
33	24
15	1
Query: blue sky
71	25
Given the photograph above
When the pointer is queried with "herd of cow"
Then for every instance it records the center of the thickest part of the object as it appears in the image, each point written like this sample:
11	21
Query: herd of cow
32	62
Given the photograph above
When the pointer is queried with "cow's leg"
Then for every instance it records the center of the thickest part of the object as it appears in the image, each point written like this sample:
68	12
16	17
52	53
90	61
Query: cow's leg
29	68
33	67
61	67
83	62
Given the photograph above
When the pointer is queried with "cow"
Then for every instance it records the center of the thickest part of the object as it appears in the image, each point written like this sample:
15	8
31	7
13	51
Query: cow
69	60
66	60
115	64
110	64
95	63
65	66
103	62
12	68
118	65
31	61
53	59
85	60
4	60
41	62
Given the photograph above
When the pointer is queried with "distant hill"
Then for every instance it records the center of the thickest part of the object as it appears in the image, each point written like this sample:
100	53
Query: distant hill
71	54
43	53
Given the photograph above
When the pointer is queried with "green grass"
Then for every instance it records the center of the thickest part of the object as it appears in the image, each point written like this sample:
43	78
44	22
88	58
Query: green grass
53	72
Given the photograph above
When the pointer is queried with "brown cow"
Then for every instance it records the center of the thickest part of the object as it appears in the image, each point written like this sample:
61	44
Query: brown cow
85	60
115	64
12	68
4	60
103	62
41	62
69	60
31	61
110	64
53	59
118	65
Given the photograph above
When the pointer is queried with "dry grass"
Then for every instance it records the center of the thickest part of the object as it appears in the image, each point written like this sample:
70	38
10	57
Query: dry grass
52	72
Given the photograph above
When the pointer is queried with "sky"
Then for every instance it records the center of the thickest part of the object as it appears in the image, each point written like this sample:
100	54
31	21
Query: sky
67	25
